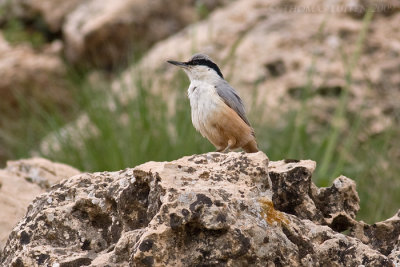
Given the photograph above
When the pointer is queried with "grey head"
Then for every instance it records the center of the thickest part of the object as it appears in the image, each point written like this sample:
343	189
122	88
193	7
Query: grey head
198	60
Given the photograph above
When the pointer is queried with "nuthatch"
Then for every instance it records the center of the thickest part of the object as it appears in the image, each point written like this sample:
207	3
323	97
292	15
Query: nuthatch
217	110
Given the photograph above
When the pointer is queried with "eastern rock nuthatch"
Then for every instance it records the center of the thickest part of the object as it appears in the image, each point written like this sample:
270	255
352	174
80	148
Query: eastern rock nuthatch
217	110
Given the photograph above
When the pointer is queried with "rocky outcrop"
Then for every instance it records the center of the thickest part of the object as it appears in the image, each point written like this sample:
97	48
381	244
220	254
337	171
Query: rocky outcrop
294	193
382	236
20	182
232	209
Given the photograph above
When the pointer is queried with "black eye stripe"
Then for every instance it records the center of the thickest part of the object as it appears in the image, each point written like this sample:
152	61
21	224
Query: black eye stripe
207	63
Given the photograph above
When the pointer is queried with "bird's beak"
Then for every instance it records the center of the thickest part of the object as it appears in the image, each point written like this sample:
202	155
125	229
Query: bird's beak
177	63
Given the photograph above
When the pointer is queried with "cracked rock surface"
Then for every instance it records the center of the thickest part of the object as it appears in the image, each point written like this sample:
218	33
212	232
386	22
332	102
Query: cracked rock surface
216	209
20	182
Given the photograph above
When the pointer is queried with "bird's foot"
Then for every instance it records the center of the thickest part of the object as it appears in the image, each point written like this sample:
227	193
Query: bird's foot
226	150
223	150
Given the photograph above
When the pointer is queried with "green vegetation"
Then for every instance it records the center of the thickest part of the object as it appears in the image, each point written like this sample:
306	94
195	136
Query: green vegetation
15	32
120	134
126	132
202	10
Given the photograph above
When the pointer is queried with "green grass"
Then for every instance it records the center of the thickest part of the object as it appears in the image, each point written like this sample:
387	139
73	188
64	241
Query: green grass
15	32
128	133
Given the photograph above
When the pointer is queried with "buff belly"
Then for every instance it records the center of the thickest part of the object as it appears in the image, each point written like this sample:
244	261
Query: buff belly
216	121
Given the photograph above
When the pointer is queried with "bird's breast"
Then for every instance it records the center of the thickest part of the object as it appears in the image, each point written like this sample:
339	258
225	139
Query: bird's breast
205	104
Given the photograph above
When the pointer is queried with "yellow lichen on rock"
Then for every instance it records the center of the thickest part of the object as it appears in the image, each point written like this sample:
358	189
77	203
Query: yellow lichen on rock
270	214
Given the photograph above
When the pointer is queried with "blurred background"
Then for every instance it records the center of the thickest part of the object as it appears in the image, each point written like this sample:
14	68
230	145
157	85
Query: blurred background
86	83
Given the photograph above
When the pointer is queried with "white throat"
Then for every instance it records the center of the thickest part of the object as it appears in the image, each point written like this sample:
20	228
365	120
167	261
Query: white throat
202	74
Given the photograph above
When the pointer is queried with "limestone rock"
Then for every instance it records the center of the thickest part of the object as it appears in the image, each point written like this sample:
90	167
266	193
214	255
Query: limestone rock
20	182
40	171
382	236
210	209
339	203
37	75
336	206
104	32
22	67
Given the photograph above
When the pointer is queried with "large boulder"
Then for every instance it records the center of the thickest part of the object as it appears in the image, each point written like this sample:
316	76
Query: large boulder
20	182
104	32
23	68
232	209
38	76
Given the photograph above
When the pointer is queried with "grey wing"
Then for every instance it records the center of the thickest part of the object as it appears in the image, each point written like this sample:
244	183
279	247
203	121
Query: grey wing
231	98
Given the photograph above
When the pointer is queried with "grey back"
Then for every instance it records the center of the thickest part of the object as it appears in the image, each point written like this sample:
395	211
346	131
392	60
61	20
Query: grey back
231	98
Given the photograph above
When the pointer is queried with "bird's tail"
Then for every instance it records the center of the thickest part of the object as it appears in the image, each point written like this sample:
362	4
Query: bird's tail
251	147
